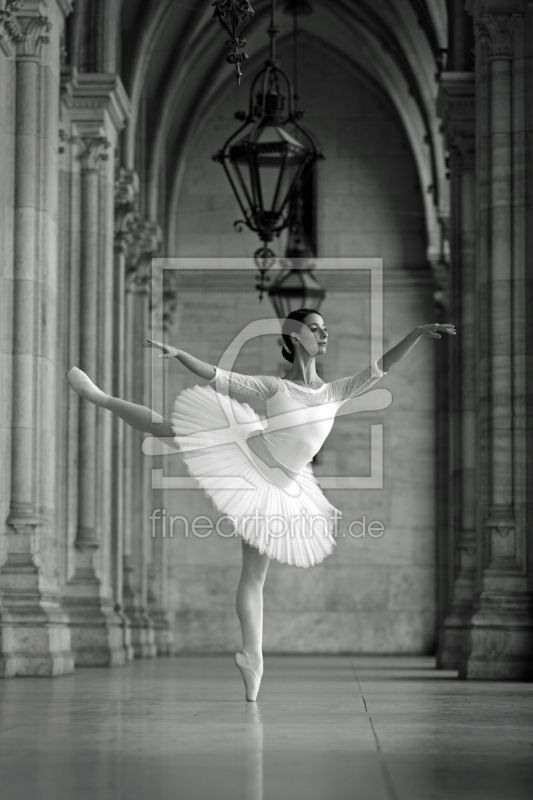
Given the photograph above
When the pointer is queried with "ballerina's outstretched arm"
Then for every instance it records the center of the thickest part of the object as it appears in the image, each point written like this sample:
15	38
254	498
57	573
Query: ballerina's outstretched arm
200	368
139	417
400	350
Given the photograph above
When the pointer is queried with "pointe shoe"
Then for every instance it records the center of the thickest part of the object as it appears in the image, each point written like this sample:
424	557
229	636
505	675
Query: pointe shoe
83	385
251	677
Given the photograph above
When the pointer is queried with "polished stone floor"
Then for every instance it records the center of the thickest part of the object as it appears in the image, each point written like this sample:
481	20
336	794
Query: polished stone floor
324	728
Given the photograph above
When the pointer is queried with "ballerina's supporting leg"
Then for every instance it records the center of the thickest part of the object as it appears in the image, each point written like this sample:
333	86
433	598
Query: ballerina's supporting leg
250	612
139	417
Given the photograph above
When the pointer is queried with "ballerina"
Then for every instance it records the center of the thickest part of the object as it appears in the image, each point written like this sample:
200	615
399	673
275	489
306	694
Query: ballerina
255	469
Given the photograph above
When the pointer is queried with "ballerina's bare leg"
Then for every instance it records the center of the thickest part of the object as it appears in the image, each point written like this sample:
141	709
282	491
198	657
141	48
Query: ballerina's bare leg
139	417
249	607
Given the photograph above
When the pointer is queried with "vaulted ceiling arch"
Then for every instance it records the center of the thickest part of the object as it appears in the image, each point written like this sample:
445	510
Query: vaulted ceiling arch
350	38
432	16
192	29
178	67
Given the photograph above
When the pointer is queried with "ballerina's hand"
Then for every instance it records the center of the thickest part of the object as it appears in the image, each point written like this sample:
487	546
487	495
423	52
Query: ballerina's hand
430	330
168	350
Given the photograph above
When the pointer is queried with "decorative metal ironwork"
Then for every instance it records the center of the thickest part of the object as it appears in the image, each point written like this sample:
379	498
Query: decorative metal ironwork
269	156
296	8
233	16
264	259
296	287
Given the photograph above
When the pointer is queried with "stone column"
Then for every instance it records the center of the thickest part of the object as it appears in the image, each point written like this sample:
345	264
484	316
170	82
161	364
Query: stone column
501	644
457	109
126	216
92	152
35	639
146	241
162	318
442	470
131	600
97	108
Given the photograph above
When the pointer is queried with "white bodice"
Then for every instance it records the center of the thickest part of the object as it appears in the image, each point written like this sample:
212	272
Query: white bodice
298	418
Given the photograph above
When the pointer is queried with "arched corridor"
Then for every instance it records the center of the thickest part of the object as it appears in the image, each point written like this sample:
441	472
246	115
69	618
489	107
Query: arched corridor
110	115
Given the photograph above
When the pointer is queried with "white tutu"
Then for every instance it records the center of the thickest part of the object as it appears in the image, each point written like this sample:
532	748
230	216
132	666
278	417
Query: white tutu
211	430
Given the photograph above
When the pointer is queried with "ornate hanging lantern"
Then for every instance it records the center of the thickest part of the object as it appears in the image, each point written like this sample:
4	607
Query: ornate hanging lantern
268	157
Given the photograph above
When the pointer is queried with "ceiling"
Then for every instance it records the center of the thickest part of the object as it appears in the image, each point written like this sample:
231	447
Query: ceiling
171	57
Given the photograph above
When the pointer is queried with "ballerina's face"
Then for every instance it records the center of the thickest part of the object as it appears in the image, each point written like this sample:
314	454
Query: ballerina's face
314	335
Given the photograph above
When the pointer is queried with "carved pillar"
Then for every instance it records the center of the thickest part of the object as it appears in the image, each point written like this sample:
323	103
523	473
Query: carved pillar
439	262
92	153
457	109
145	243
126	216
502	622
131	600
163	309
34	634
442	315
97	107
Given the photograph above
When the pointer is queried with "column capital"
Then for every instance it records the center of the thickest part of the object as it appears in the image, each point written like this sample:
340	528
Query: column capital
496	32
28	32
10	30
35	32
13	33
92	149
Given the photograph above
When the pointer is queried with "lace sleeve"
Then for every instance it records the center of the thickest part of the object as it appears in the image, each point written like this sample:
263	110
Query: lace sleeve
345	388
263	386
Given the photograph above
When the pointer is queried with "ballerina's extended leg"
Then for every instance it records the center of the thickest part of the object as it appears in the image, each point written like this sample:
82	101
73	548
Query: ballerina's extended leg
139	417
250	612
